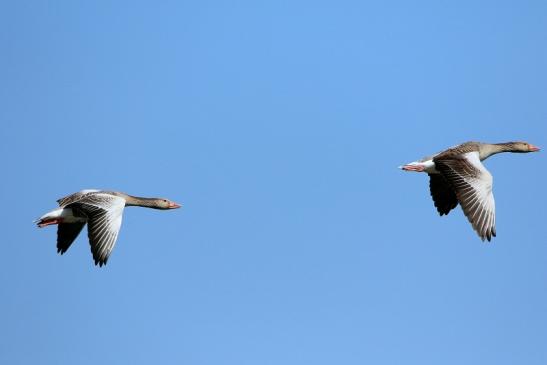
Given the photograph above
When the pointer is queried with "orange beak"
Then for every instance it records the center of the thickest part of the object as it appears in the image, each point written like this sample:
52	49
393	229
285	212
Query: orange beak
173	205
533	148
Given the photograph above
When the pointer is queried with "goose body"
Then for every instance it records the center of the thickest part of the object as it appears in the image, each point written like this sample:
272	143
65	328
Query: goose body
102	211
457	176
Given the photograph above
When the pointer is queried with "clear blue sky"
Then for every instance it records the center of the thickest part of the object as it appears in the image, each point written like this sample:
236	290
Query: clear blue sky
279	125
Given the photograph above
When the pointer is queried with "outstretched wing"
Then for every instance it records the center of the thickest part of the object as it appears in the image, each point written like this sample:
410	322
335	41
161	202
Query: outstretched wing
104	219
66	234
73	198
442	193
472	184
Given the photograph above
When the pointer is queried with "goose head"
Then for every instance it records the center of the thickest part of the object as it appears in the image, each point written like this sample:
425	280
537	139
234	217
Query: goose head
161	203
522	147
167	204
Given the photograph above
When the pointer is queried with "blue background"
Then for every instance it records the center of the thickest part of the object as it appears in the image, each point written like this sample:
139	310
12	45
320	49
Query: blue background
279	125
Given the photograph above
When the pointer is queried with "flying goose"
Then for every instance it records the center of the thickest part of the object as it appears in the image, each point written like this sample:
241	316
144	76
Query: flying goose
457	175
102	211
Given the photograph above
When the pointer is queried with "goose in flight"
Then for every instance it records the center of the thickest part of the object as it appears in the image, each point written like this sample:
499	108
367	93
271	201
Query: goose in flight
102	211
457	175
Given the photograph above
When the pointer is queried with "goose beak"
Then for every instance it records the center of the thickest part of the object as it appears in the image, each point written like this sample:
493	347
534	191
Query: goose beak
533	148
173	205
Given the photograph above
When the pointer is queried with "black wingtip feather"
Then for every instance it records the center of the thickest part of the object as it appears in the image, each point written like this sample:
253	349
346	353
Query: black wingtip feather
100	262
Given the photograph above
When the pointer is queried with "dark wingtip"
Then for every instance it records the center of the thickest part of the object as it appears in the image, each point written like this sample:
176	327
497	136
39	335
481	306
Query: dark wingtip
100	263
491	234
488	236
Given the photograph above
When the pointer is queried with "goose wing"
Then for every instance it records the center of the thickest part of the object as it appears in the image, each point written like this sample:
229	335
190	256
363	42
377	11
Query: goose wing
472	184
442	193
104	219
66	234
73	198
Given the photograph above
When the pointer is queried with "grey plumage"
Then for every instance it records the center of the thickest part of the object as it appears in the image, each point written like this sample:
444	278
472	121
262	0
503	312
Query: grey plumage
102	211
457	176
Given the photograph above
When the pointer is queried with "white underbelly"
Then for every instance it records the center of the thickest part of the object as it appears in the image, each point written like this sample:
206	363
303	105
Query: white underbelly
65	213
430	167
427	165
